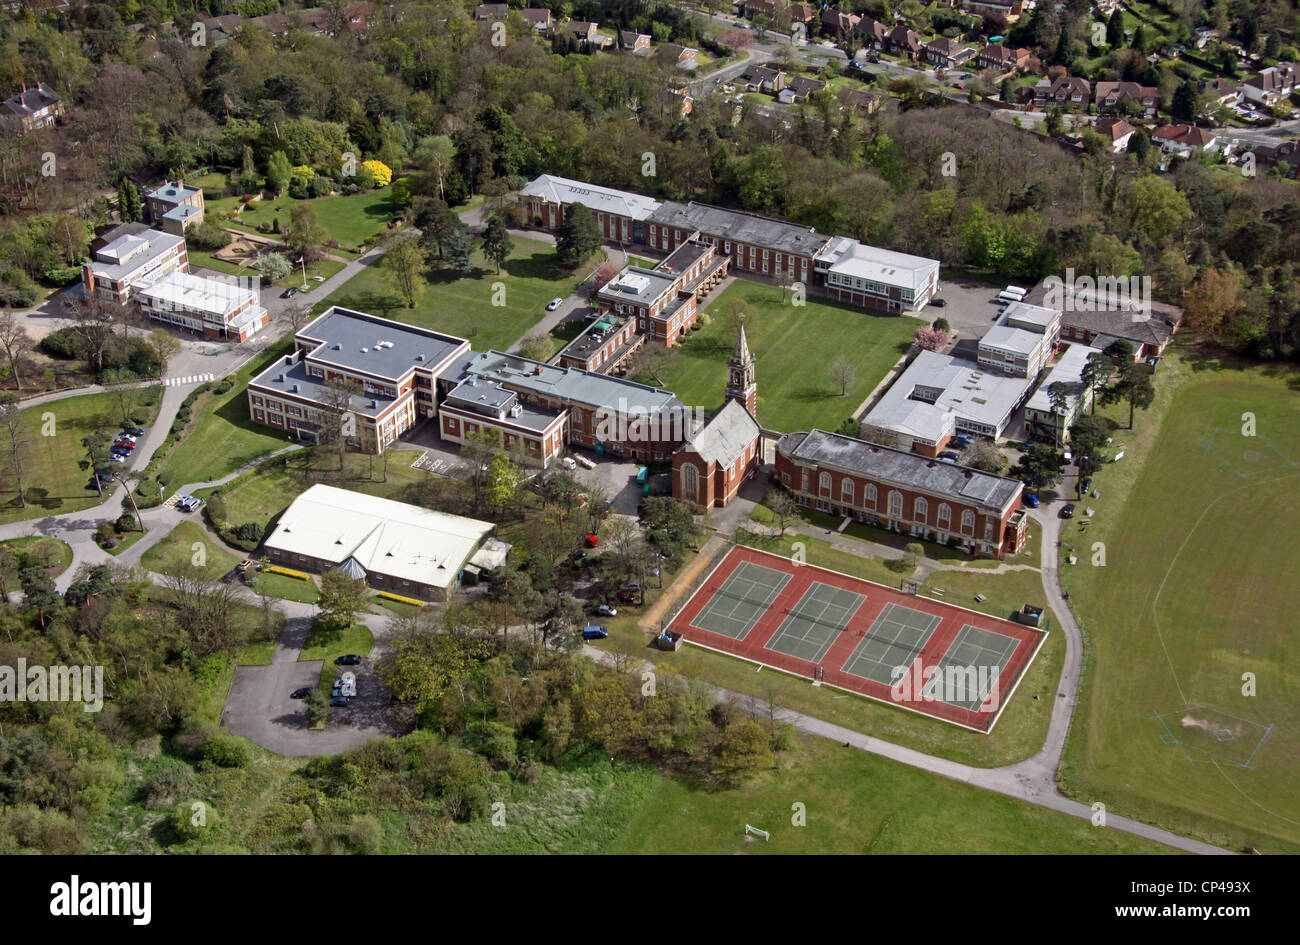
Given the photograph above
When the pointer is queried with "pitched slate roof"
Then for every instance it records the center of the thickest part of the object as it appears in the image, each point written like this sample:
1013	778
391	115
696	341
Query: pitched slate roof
726	435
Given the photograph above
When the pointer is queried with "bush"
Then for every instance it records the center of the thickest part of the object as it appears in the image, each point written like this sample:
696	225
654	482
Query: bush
226	751
192	819
189	741
168	783
249	531
62	275
320	186
208	235
61	343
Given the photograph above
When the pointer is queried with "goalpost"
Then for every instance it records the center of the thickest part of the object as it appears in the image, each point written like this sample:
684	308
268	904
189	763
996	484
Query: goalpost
758	833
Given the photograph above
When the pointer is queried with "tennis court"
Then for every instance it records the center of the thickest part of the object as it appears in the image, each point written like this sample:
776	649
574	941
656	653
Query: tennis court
812	625
896	638
984	651
855	635
744	597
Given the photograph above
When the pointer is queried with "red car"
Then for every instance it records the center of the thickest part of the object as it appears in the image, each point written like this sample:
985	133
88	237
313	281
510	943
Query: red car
592	541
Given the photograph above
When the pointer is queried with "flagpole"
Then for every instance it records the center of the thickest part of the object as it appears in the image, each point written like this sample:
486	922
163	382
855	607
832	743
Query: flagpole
303	259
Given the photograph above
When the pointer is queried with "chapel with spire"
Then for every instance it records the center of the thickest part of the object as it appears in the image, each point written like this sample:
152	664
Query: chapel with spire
741	386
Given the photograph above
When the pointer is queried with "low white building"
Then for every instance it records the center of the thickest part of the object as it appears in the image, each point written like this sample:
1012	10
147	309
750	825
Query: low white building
1022	341
1045	423
871	277
224	307
400	548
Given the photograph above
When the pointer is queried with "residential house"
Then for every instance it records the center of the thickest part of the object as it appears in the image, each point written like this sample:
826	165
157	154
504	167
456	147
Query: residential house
33	109
357	17
1183	140
802	86
1109	96
539	18
634	42
944	53
1116	131
222	29
1204	35
174	207
1222	91
859	99
1063	92
1009	10
839	25
1284	154
1270	86
873	33
677	103
316	22
1001	58
763	79
583	31
902	41
802	13
682	57
491	11
903	492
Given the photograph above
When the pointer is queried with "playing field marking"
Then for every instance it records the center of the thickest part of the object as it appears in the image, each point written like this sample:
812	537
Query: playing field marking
734	608
893	641
812	625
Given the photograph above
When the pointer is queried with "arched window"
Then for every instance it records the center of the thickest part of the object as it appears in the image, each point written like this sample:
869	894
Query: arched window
871	495
895	504
945	515
846	491
690	481
824	483
968	522
919	509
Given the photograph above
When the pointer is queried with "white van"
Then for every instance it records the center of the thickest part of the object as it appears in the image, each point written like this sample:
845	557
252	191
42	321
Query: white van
1012	294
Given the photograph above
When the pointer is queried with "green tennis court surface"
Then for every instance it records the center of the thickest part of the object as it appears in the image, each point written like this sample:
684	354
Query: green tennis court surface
895	638
976	657
810	628
743	598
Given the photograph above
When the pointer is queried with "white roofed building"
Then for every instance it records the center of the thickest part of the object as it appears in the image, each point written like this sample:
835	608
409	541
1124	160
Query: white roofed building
870	277
621	215
400	548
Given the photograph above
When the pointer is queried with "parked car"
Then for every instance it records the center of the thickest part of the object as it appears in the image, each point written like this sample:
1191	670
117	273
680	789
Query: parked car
127	445
119	453
351	659
125	436
950	456
961	441
940	303
1067	510
302	693
289	293
1085	485
605	610
1031	500
338	700
188	503
133	431
592	632
554	304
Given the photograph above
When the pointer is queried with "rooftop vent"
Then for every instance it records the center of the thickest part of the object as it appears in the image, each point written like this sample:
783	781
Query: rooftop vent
338	347
288	359
365	350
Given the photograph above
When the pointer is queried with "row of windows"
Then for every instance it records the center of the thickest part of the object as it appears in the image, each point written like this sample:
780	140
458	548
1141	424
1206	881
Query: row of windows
920	506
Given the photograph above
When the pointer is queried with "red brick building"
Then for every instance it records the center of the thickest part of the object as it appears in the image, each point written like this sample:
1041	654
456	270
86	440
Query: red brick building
903	492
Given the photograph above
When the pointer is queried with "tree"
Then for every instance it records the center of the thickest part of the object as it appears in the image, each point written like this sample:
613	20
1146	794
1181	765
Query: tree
342	596
272	267
165	346
338	422
843	373
92	325
984	456
1040	466
785	511
503	478
403	261
97	444
129	206
383	174
536	346
1184	103
1134	385
743	749
577	237
304	232
16	440
436	222
16	342
460	252
1058	397
39	593
930	339
497	244
126	393
205	610
1115	30
1120	352
1095	374
279	172
1088	436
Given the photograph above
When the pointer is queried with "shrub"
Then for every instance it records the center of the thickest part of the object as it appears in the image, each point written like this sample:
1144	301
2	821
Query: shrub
249	531
192	819
168	783
208	235
189	741
226	751
61	343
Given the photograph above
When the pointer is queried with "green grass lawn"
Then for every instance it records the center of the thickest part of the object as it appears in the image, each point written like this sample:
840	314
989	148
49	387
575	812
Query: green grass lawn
793	347
321	645
125	541
1198	524
54	433
29	552
1019	732
351	220
185	541
856	802
222	437
465	307
286	588
324	268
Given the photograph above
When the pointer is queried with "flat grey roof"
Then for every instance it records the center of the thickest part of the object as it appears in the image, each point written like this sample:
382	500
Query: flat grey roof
294	381
683	257
351	340
740	227
900	467
963	389
572	384
1007	338
656	283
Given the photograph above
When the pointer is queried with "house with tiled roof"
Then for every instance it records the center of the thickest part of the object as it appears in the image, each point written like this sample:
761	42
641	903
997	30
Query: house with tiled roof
1063	92
839	25
902	41
1222	91
1109	96
1002	58
634	42
539	18
32	109
1183	140
944	53
1116	131
1270	86
872	33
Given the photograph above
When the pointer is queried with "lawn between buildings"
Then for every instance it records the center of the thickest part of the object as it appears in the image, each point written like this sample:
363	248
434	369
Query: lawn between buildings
1019	733
793	347
1198	525
51	462
490	309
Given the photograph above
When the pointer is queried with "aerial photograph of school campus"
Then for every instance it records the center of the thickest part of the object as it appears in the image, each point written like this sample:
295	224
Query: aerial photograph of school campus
649	426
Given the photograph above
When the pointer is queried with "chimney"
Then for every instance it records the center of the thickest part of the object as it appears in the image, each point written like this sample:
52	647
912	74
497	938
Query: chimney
537	371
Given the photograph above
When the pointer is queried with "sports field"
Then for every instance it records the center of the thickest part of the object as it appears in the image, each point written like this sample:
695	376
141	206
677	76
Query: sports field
942	661
793	348
1190	708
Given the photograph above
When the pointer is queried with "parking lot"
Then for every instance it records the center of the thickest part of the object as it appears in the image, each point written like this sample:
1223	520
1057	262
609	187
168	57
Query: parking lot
970	306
